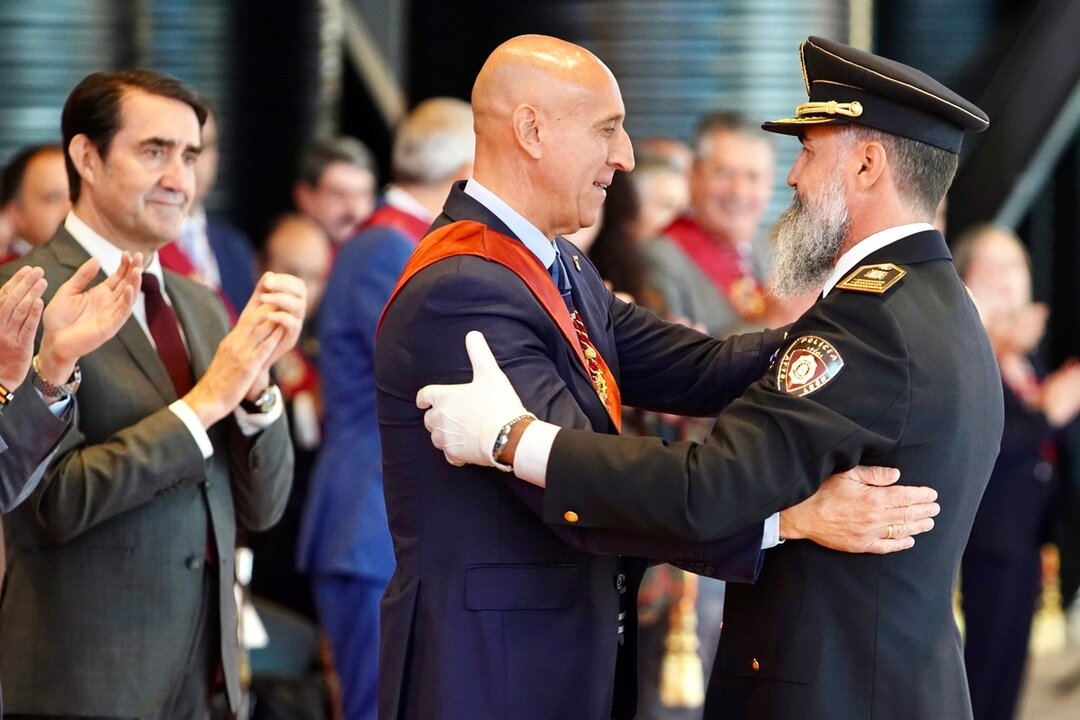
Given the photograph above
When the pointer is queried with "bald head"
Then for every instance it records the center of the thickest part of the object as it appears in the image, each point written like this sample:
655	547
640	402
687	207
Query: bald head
297	245
549	131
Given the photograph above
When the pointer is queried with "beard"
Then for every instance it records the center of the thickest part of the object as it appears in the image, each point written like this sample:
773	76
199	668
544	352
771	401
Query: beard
809	237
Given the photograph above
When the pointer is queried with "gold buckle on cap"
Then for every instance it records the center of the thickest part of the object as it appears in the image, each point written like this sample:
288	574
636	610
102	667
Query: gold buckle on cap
851	109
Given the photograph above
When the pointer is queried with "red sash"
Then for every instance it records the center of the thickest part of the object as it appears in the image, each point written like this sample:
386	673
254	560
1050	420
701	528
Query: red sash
722	265
387	215
472	238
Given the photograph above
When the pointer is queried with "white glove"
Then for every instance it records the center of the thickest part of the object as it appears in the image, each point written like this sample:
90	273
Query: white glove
465	420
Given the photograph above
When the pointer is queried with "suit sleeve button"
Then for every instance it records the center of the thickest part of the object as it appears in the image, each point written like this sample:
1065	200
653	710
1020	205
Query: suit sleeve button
194	563
570	516
755	665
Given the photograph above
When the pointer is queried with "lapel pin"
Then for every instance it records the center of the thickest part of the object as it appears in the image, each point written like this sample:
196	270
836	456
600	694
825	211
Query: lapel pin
577	263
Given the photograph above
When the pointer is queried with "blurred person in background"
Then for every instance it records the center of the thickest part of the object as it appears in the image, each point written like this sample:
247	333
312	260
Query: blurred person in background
336	186
344	538
1001	572
298	246
33	197
672	149
705	266
705	269
210	249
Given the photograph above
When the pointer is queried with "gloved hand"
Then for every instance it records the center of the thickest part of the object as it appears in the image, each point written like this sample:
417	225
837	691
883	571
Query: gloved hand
465	420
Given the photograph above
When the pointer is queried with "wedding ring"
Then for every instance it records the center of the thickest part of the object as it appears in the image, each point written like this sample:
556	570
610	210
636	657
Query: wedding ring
891	533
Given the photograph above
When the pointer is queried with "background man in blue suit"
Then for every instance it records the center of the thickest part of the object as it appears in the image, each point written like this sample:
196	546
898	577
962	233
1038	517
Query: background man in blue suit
344	540
491	613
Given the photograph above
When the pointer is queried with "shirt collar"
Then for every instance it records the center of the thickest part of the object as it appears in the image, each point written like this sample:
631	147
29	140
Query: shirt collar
861	249
528	233
399	199
108	254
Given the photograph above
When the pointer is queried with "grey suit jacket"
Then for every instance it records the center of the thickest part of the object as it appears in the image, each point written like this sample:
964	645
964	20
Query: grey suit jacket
106	557
29	435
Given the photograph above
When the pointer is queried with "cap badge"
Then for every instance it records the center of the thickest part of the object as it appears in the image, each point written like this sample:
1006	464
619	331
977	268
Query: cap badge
808	365
874	279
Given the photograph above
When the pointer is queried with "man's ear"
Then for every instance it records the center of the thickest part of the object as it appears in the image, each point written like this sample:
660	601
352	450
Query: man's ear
301	194
872	159
527	131
85	157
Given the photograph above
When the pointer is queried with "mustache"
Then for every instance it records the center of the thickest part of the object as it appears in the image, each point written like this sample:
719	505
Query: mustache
172	197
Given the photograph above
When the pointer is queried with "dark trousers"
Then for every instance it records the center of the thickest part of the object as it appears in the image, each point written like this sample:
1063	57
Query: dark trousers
999	596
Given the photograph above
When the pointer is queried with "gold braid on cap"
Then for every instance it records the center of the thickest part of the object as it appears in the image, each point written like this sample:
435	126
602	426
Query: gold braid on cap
851	109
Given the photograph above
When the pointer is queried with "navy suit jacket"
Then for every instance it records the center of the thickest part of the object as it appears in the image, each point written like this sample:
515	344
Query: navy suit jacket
490	612
236	261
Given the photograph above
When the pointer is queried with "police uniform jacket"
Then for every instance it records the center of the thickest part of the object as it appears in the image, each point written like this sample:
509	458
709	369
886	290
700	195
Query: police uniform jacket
903	378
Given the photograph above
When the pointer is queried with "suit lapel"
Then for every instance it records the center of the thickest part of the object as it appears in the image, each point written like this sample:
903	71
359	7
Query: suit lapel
70	254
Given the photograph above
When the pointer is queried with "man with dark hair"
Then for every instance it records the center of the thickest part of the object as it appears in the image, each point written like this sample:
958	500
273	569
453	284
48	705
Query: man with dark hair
179	439
336	186
34	197
891	367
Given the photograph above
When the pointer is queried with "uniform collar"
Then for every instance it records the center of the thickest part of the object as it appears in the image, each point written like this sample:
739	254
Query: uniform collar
865	247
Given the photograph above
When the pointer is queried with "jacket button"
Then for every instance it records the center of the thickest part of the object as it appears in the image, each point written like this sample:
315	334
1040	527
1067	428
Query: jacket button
755	665
194	563
570	516
620	581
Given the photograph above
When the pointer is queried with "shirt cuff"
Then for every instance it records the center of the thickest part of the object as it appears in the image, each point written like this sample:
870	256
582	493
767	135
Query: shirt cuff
771	536
57	408
254	423
534	447
191	421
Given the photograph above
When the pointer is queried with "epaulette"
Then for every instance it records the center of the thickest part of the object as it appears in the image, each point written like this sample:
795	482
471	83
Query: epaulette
873	279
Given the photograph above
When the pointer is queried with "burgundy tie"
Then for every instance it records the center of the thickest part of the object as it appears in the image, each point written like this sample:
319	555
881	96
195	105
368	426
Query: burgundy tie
170	347
166	333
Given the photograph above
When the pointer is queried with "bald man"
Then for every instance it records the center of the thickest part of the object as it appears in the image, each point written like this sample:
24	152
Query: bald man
491	613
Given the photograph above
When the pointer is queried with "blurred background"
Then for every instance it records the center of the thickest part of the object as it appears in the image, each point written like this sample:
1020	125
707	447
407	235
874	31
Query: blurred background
282	72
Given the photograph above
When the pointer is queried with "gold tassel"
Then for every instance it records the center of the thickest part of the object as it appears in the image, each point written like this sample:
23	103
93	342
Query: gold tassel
1048	630
682	678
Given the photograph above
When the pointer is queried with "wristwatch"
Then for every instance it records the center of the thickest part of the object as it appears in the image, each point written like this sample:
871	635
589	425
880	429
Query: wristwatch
264	403
49	390
5	397
503	438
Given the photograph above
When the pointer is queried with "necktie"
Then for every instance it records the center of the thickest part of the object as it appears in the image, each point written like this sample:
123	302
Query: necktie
166	333
562	282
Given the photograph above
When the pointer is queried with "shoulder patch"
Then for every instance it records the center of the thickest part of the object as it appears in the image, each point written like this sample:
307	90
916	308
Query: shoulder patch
874	279
808	365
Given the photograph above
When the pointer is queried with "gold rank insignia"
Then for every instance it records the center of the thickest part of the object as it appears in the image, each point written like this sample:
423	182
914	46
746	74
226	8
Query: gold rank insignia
808	365
874	279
